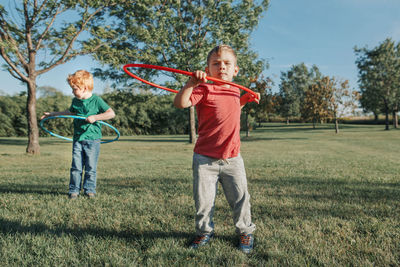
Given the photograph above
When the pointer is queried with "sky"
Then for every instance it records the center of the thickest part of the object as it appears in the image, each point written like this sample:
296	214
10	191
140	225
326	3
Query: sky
315	32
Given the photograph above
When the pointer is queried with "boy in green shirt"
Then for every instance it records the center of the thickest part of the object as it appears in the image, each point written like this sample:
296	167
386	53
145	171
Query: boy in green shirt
87	133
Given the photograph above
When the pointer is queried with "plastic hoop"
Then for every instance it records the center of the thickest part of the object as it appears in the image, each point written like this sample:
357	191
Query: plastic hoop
188	73
81	118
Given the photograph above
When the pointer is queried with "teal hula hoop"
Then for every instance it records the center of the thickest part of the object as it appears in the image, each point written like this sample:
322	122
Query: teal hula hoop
77	117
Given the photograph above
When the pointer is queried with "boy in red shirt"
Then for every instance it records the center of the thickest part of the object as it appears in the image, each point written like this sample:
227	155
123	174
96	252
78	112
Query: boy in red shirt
217	151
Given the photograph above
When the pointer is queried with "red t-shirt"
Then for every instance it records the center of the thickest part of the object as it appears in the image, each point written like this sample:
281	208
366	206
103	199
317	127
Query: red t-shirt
218	114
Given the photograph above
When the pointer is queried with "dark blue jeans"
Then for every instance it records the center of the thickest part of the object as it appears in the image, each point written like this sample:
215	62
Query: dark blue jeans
84	158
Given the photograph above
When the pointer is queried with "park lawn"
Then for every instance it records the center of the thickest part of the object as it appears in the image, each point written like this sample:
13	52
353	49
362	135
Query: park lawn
318	199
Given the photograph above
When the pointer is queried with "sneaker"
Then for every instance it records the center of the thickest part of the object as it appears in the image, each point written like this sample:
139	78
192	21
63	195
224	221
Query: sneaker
246	243
90	195
201	240
73	196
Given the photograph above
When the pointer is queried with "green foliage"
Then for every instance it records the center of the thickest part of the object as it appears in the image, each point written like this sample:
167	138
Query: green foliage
267	104
136	114
13	116
379	73
146	114
41	32
293	87
179	35
53	100
36	36
316	105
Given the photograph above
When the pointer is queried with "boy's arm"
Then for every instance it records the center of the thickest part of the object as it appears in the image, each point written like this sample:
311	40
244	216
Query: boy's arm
247	97
182	98
56	113
109	114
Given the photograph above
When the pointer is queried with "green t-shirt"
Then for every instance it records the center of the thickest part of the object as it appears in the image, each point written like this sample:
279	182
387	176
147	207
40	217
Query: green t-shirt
84	130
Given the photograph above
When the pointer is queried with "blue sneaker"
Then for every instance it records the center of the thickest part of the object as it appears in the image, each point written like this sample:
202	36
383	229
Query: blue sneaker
73	195
201	240
246	243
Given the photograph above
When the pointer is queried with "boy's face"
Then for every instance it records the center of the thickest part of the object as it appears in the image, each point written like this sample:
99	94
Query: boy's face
79	92
222	66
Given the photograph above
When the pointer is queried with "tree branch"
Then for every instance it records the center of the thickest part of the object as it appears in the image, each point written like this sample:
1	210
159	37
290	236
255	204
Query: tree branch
4	55
65	57
40	39
5	36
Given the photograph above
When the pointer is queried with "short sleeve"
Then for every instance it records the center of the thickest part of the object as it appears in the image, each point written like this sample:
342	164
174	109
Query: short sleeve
71	108
103	106
199	93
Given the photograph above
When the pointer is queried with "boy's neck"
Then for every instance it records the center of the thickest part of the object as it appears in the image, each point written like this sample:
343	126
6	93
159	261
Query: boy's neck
87	95
222	84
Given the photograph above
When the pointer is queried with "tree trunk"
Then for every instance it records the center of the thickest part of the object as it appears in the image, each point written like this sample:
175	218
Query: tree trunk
33	131
336	125
395	119
247	124
192	123
287	121
376	117
386	117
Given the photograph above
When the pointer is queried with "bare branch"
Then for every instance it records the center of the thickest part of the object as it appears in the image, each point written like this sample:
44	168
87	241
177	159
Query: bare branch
28	36
11	71
40	39
65	57
6	36
14	67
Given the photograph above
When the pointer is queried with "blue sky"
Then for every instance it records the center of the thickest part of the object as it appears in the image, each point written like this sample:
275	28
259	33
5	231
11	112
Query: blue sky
320	32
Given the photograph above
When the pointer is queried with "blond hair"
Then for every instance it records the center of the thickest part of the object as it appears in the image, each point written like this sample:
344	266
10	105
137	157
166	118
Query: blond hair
218	49
82	79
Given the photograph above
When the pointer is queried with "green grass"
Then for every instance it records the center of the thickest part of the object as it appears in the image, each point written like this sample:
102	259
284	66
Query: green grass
318	199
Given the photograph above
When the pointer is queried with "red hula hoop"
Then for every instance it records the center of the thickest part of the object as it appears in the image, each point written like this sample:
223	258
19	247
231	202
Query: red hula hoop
188	73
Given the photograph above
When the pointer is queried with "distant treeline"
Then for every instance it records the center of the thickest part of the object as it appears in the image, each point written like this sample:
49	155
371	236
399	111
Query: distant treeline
136	114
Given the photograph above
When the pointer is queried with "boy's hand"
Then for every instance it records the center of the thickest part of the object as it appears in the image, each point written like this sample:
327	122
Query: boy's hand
199	77
91	119
252	98
46	114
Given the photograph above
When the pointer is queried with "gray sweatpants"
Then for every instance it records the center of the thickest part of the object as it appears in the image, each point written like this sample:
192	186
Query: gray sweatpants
232	176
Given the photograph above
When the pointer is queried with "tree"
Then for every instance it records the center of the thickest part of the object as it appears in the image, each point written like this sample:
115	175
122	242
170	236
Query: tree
316	101
34	39
266	106
341	101
12	115
179	35
293	87
379	77
259	111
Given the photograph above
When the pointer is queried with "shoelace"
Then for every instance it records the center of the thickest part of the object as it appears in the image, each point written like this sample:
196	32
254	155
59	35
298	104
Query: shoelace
245	239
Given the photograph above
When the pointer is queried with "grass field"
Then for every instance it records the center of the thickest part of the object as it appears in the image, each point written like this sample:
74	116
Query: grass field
318	199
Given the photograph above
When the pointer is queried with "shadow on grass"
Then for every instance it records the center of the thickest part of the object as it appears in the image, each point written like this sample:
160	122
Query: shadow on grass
307	197
252	139
156	140
9	141
163	185
13	142
308	127
33	189
117	187
140	237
